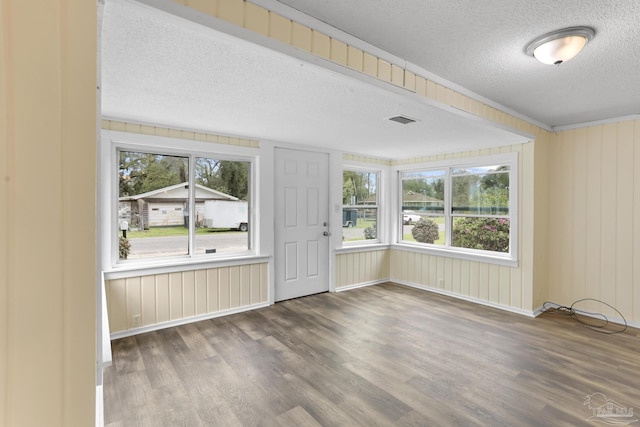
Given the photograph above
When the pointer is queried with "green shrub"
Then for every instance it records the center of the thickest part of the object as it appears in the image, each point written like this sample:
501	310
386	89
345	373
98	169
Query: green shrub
370	232
489	234
426	231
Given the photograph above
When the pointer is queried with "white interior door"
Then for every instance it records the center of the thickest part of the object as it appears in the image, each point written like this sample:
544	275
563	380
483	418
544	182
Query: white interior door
301	229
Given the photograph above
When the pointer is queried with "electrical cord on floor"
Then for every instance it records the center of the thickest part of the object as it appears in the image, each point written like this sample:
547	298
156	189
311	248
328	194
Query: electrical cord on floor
574	313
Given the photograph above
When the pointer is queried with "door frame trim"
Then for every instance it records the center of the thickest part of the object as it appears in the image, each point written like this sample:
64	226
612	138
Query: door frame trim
302	285
266	173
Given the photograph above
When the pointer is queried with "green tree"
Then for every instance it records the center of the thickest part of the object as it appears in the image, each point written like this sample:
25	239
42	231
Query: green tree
436	188
416	186
494	191
427	186
159	175
496	180
235	178
360	184
464	189
226	176
131	172
207	171
348	191
143	172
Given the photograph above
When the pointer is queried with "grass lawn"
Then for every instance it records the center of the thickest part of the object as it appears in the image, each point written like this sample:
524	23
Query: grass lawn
361	224
181	231
364	223
408	237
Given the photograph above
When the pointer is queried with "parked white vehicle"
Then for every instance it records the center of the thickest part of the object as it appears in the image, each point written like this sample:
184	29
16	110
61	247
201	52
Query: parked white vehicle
226	214
409	217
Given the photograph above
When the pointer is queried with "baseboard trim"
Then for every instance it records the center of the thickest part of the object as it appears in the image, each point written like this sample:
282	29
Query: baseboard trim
185	321
361	285
616	320
538	311
503	307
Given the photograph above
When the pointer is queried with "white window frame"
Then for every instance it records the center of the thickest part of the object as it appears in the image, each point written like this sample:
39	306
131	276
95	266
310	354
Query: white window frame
510	258
379	206
115	141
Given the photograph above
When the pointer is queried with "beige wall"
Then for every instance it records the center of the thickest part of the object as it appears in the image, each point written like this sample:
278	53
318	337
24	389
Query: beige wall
594	216
360	268
4	219
176	133
481	281
47	271
539	272
169	297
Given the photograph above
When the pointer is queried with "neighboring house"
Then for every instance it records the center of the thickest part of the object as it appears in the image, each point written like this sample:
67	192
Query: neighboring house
371	200
165	207
419	202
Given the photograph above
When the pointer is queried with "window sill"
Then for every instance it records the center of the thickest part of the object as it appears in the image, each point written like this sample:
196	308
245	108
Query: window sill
174	266
452	253
361	248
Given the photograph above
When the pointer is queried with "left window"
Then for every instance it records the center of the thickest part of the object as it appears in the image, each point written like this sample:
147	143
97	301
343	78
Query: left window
173	205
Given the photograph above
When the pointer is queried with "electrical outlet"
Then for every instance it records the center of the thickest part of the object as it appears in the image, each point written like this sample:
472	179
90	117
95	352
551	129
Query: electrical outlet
441	283
137	321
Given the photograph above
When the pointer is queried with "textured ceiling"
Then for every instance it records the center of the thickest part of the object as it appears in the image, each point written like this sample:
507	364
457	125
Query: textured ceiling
159	68
479	45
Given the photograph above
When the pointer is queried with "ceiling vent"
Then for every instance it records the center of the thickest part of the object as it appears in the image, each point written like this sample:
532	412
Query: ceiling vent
402	119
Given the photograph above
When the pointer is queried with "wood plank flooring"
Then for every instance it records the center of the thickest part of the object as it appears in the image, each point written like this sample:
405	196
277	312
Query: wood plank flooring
385	355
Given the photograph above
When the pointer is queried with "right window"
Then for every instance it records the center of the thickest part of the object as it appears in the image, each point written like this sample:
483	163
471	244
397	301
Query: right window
480	208
464	207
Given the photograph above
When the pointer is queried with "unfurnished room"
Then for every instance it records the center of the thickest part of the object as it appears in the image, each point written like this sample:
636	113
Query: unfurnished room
320	213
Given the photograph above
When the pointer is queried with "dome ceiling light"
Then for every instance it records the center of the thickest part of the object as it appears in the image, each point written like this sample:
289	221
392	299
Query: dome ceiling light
559	46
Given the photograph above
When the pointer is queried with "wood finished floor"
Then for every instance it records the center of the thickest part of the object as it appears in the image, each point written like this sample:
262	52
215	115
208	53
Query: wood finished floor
384	355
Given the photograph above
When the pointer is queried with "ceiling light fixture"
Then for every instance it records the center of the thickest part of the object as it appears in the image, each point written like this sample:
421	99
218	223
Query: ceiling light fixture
559	46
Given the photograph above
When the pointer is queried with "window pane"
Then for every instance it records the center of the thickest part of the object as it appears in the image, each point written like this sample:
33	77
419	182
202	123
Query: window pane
221	205
427	229
479	169
152	205
423	191
359	188
360	205
481	193
359	224
489	234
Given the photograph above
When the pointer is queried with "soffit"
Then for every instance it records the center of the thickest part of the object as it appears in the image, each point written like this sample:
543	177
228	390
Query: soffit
159	68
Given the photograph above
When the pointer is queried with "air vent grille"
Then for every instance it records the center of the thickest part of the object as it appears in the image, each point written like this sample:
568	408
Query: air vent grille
402	119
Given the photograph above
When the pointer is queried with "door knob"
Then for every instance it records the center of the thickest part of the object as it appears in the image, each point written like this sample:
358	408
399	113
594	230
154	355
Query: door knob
326	233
